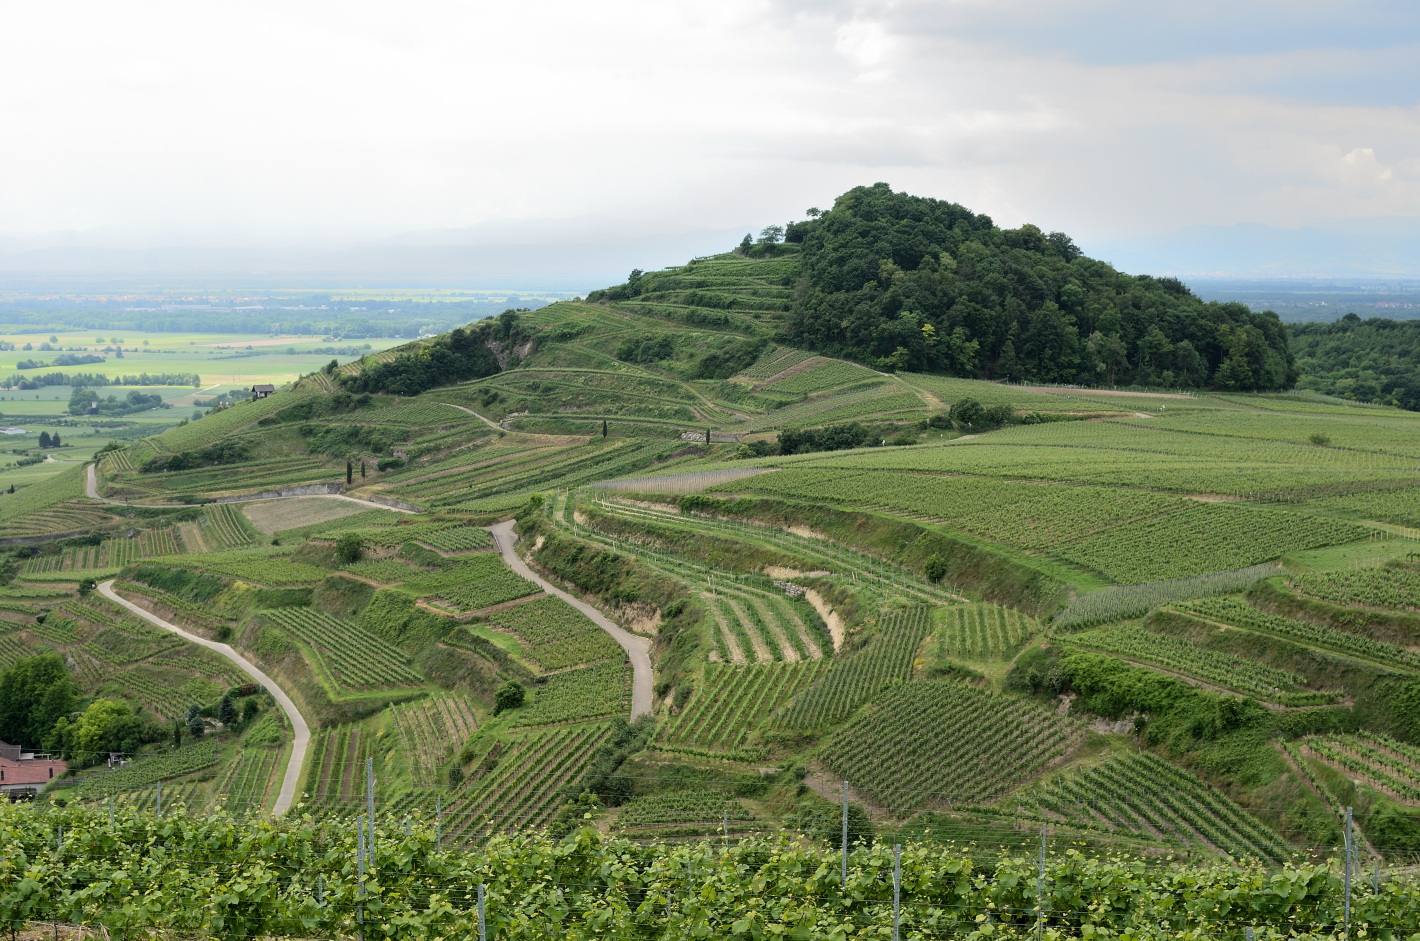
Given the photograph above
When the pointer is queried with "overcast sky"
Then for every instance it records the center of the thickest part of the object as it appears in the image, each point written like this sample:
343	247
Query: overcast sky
298	120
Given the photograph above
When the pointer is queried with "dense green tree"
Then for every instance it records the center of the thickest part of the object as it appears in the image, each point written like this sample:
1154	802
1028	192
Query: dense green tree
35	693
510	695
227	710
348	548
904	282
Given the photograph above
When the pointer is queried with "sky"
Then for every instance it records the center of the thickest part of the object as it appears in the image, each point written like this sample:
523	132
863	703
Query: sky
328	123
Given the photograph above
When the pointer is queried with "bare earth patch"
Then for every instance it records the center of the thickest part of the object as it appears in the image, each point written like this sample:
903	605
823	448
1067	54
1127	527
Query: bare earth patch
272	516
830	617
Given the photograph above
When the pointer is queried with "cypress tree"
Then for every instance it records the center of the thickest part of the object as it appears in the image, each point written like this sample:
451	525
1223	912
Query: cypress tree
349	473
603	427
44	439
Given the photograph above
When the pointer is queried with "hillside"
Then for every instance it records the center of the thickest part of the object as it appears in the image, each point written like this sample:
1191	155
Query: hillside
902	282
1153	623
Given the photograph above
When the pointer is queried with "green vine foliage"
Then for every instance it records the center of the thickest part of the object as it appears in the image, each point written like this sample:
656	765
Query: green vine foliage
227	877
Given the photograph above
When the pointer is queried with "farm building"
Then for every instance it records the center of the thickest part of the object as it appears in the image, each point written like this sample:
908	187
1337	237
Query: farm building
24	774
262	390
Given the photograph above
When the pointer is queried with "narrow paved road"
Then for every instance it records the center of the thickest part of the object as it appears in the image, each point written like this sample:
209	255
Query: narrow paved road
298	724
91	487
637	648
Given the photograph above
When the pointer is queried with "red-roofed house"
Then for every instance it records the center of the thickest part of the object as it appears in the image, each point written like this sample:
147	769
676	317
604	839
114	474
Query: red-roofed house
22	774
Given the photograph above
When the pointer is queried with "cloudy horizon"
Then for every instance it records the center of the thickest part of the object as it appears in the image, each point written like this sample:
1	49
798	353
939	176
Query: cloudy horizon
554	123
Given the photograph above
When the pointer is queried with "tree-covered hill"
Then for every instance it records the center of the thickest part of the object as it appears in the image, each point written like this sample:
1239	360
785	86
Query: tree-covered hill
906	283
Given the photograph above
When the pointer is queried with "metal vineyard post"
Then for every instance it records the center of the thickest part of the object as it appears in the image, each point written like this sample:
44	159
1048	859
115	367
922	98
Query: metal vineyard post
482	922
845	834
896	887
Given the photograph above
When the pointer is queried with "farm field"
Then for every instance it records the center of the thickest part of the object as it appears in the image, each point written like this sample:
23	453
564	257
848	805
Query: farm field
1173	623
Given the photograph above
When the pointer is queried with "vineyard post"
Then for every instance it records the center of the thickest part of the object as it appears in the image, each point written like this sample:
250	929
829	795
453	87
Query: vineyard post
896	887
370	799
1378	877
158	796
845	835
482	922
320	888
59	839
110	812
1346	902
438	820
1040	886
360	868
1249	933
725	828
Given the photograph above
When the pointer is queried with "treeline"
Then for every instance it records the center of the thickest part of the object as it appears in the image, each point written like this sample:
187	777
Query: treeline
30	383
457	356
396	318
905	282
1375	360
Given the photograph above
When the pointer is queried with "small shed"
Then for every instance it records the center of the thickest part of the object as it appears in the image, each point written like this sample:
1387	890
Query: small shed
262	390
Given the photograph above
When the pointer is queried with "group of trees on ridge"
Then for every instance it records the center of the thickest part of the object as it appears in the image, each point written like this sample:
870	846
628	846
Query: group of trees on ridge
911	283
907	282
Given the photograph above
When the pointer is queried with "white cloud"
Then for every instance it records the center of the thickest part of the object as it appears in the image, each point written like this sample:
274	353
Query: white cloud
361	119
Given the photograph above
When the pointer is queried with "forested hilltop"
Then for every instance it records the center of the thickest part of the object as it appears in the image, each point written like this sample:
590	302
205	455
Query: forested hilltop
904	282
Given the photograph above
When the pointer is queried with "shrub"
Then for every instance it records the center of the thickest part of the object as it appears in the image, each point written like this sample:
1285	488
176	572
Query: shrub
511	695
349	548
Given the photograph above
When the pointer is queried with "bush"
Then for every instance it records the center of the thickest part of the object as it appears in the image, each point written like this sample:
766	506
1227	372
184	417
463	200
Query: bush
968	412
935	568
510	695
389	463
349	548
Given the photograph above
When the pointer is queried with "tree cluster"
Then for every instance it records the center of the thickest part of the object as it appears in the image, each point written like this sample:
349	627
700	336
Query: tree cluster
82	397
230	451
905	282
1375	360
457	356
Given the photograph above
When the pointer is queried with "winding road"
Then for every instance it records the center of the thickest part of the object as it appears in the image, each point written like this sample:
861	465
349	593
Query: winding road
298	724
637	648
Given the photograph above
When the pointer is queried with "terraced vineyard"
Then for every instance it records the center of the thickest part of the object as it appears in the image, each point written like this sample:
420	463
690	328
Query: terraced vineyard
430	731
248	784
938	743
520	791
981	631
1236	613
264	566
1394	588
1144	796
595	692
1376	759
857	677
863	571
343	653
224	527
478	582
712	810
459	539
731	703
146	772
557	635
334	779
1138	644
